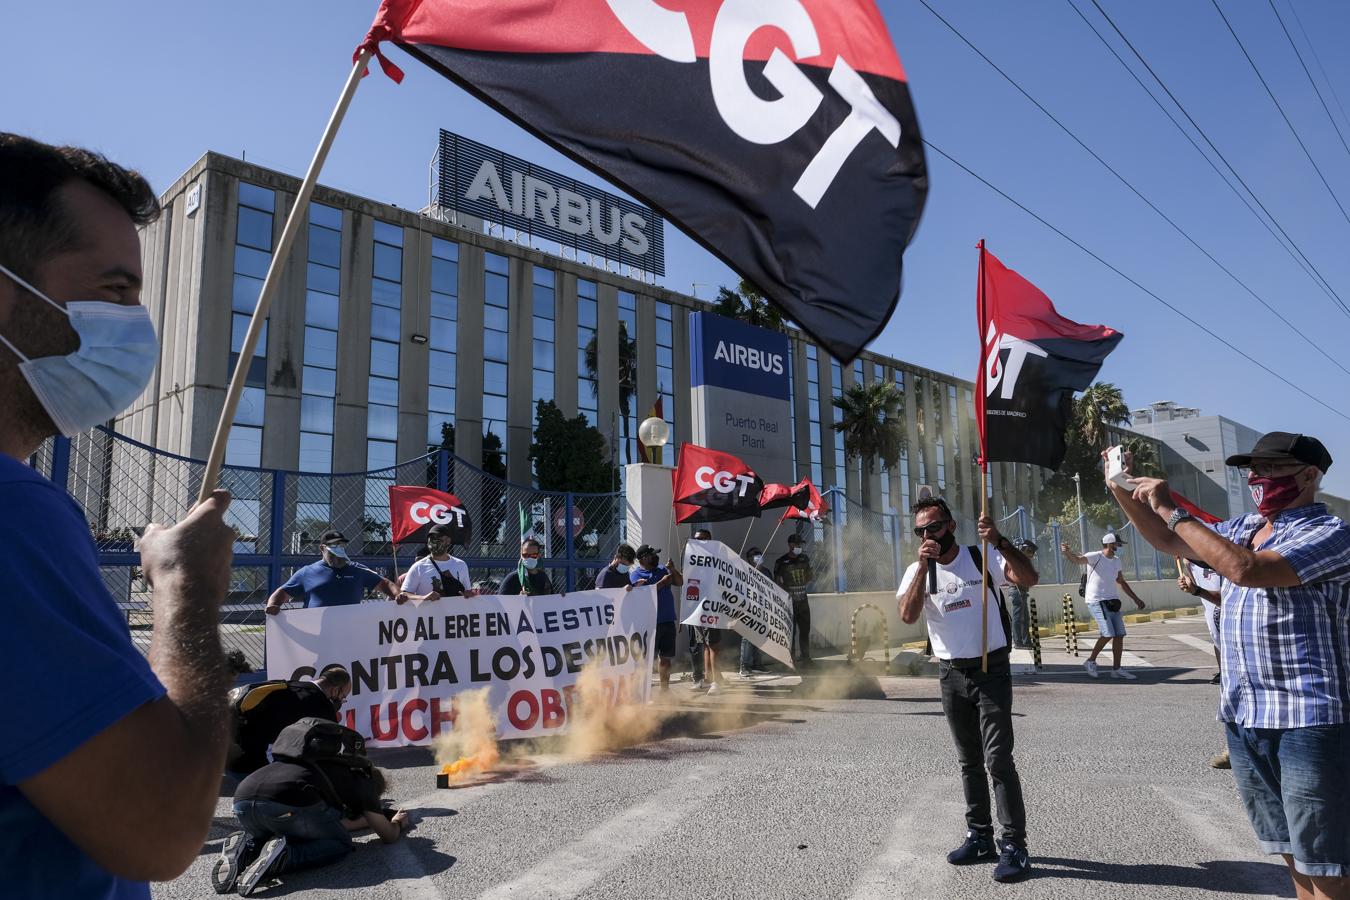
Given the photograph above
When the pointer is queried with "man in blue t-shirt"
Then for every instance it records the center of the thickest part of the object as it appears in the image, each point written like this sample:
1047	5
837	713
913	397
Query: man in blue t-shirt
332	581
650	571
109	768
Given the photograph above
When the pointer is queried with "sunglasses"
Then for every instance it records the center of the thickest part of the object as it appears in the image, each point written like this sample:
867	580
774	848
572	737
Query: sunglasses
931	530
1267	470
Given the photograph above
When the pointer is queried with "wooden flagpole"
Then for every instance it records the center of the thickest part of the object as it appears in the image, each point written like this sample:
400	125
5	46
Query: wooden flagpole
280	256
984	492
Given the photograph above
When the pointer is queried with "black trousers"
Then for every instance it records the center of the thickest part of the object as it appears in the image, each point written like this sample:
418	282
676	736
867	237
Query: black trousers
979	712
801	618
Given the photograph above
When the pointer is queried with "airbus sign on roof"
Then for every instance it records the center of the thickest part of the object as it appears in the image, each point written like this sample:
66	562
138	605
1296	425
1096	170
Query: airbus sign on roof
506	190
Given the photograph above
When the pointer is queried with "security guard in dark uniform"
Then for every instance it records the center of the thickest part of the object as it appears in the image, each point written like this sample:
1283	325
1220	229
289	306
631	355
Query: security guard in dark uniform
793	573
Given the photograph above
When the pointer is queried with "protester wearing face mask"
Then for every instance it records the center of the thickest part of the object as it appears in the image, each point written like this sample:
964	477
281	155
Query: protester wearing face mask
104	732
650	571
1285	690
750	661
332	581
617	573
977	703
527	579
438	574
793	573
1105	581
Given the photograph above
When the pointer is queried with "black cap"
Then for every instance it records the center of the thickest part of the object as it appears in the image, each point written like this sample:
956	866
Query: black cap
795	539
648	550
445	529
1027	546
333	537
1281	446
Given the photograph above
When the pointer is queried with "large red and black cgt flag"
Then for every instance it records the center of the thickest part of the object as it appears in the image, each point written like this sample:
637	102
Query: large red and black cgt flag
413	510
780	136
711	486
1032	360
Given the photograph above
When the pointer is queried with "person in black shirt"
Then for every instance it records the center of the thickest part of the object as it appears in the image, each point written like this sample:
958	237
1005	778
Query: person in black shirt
616	573
269	708
527	579
291	821
793	573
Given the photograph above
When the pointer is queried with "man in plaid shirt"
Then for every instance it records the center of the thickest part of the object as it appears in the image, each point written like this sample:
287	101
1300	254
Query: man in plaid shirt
1285	642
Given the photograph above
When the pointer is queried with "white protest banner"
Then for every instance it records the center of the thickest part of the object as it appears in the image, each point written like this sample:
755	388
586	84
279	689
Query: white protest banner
408	662
736	595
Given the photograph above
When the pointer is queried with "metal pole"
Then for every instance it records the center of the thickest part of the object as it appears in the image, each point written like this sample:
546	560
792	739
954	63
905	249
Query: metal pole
837	539
280	257
1082	519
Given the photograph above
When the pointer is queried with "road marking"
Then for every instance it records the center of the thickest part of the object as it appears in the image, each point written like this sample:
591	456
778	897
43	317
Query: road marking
913	862
1191	640
572	869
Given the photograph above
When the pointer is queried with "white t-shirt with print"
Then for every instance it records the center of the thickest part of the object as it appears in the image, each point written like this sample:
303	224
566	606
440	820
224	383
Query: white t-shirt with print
1102	571
953	613
420	575
1208	580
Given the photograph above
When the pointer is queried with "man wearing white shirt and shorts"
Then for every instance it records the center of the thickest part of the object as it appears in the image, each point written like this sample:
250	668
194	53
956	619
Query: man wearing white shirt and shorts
977	703
438	574
1104	583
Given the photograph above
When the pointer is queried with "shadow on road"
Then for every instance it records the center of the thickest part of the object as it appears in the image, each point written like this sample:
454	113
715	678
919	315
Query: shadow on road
1220	876
359	871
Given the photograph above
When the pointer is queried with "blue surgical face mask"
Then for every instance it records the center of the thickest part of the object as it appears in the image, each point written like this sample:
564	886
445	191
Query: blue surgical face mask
622	568
529	562
113	364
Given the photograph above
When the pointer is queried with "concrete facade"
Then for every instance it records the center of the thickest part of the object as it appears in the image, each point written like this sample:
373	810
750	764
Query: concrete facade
192	265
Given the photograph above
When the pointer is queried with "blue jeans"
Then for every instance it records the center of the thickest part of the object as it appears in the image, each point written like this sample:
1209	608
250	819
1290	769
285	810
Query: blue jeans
1109	624
314	834
749	654
1293	784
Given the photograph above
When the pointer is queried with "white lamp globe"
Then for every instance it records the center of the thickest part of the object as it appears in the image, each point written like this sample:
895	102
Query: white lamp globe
654	432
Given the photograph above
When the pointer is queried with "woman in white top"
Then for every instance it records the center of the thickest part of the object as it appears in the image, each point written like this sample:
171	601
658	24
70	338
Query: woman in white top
1103	579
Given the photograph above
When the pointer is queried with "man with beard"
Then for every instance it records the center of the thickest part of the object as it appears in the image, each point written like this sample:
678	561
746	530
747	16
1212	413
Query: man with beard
332	581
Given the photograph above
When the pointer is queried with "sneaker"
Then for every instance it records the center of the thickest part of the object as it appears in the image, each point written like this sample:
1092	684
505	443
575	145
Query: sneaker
1013	864
714	688
1217	679
269	863
977	848
235	855
745	673
1123	674
699	685
1221	761
1091	666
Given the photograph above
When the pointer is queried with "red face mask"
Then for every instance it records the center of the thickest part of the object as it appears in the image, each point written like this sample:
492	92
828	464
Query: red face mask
1273	494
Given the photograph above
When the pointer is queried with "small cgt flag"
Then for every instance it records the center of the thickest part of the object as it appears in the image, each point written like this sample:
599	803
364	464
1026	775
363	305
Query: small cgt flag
711	486
781	136
1032	359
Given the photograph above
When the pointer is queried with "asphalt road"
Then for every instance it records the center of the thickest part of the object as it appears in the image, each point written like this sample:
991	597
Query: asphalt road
780	790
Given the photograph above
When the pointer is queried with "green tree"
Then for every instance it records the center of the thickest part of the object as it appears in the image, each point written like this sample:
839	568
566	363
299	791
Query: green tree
626	378
747	304
1100	406
569	454
872	422
490	462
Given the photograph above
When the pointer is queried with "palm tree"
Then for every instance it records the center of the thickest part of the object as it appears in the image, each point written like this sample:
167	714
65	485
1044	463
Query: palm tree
1102	404
1145	458
747	304
627	377
871	420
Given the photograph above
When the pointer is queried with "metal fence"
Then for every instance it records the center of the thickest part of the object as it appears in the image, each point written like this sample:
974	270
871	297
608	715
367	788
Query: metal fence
1139	561
279	516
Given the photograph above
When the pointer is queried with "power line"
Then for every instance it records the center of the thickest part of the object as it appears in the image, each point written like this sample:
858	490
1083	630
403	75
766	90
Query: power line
1306	71
1274	100
1260	365
1123	180
1281	237
1318	59
1217	152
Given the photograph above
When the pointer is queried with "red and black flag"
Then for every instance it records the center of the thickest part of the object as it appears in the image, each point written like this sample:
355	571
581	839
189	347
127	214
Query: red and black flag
1207	517
787	496
1032	360
815	508
710	486
413	510
780	136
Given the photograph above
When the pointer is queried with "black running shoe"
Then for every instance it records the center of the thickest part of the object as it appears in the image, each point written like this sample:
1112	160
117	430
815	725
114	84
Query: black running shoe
235	855
1013	864
978	848
270	862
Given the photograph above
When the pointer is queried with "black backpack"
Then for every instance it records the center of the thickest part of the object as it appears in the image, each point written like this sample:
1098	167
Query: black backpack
314	743
1002	606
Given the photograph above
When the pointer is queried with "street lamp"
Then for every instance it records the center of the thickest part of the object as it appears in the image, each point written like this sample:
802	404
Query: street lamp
654	433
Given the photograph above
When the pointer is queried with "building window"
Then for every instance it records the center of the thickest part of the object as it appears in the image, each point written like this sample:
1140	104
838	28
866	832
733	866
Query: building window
588	392
904	455
879	376
665	376
545	301
837	390
496	306
385	335
862	465
627	375
954	441
252	255
318	378
813	413
442	339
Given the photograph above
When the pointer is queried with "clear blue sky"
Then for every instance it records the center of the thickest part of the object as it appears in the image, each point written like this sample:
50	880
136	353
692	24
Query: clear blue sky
154	84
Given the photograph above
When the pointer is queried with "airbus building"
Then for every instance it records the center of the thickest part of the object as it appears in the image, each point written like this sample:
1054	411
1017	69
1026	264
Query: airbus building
513	284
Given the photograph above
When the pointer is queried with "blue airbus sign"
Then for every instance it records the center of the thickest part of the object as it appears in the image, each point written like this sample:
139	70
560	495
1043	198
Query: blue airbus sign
739	357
